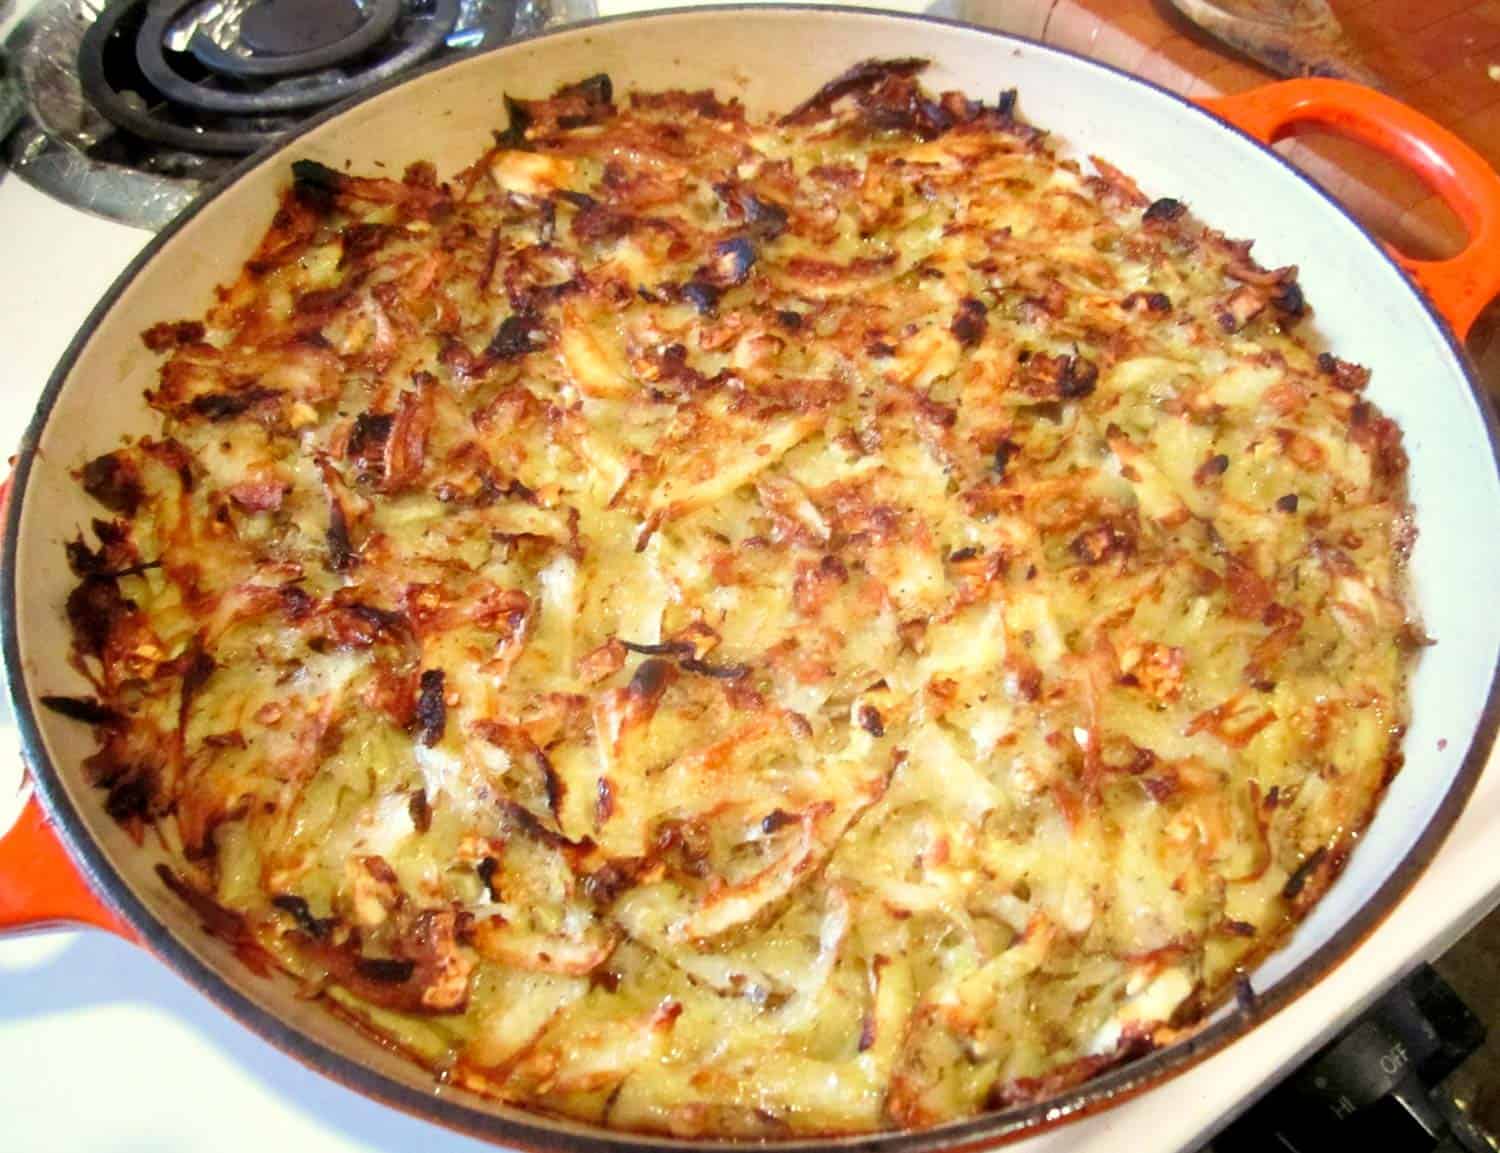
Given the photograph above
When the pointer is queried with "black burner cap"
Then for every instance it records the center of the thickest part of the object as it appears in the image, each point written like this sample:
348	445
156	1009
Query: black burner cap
284	27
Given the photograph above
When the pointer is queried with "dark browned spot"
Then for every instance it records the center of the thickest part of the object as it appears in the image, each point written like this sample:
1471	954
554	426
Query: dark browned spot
1215	466
969	322
606	883
217	406
129	799
1005	451
650	680
114	480
368	436
420	810
1079	378
432	708
1244	993
702	296
518	334
486	870
730	263
170	334
861	77
93	608
1298	880
387	970
776	820
297	908
1288	299
85	709
341	556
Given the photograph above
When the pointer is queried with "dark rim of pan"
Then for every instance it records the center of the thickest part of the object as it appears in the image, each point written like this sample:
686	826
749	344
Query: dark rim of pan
533	1131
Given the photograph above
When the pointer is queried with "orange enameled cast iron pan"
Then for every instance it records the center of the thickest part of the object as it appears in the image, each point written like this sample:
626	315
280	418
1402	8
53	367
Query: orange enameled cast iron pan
66	861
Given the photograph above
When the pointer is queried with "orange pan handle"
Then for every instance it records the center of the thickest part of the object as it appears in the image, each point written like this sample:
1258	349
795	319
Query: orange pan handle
1459	287
39	884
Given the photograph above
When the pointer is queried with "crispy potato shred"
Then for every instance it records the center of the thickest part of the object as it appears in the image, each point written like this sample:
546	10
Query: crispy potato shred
735	627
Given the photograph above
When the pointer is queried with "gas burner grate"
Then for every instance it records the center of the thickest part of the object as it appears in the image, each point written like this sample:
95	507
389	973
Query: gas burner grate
285	60
98	134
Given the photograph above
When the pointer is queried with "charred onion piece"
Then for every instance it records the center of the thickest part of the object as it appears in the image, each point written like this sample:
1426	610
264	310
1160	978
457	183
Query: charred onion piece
85	709
312	174
686	656
702	296
297	908
861	77
432	708
518	121
386	970
341	554
969	322
114	480
1303	873
517	336
730	264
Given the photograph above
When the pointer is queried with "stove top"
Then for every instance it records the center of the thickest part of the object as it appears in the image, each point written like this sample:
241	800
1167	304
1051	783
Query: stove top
129	108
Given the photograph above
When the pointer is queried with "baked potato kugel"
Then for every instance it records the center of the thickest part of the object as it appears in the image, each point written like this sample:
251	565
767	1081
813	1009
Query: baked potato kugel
735	626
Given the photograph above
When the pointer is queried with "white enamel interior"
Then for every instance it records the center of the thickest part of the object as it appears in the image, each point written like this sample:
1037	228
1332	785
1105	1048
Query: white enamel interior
771	59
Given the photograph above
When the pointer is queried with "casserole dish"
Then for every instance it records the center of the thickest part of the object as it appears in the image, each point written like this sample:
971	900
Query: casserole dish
1365	303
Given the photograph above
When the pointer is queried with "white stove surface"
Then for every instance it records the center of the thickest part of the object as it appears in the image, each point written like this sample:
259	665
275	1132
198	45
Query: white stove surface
103	1048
